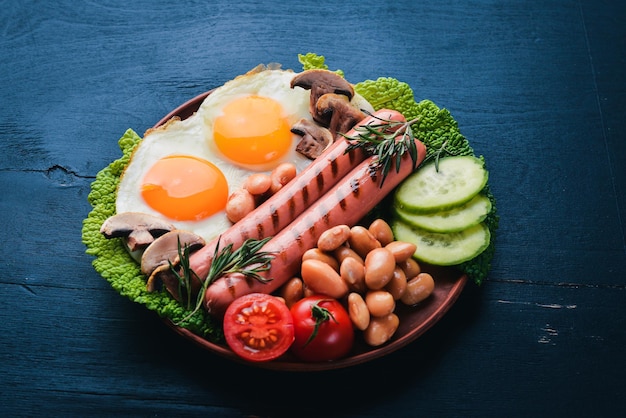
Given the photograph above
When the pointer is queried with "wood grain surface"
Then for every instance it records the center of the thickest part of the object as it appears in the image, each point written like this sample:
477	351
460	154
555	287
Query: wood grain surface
538	87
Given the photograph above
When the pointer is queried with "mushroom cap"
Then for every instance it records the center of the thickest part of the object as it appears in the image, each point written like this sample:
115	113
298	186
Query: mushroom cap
328	80
140	229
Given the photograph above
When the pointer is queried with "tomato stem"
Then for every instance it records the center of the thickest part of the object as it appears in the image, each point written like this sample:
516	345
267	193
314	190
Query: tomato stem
321	315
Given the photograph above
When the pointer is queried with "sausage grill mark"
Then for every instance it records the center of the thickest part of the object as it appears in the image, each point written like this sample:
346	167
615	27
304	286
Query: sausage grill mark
311	230
291	203
284	256
306	228
324	211
343	204
275	217
373	172
305	196
354	185
231	287
320	181
260	229
334	167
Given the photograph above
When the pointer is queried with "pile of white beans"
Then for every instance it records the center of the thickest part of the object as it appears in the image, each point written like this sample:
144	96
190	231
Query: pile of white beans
366	269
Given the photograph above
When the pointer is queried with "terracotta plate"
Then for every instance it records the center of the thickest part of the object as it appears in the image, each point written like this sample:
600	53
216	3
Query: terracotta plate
414	321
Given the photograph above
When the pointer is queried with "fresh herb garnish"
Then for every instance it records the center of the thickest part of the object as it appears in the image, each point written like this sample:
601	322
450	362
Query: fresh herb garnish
247	260
185	279
385	140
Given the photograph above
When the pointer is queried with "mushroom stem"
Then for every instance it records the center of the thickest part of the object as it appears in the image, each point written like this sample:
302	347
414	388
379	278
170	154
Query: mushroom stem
343	116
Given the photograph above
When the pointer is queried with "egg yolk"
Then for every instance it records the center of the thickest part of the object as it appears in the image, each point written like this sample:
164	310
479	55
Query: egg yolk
185	188
252	130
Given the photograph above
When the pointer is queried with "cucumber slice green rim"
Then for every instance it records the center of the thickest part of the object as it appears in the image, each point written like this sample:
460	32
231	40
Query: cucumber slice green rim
444	249
429	190
457	219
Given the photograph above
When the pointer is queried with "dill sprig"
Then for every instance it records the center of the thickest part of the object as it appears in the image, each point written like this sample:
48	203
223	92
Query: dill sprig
386	140
247	260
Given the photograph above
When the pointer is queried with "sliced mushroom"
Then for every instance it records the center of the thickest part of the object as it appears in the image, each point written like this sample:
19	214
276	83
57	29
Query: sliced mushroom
342	114
156	259
321	82
315	138
139	229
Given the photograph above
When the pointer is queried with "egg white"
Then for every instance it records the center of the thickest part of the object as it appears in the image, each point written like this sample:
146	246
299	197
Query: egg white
193	137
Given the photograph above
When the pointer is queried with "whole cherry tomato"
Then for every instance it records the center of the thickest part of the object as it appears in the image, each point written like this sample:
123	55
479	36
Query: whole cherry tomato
323	330
258	327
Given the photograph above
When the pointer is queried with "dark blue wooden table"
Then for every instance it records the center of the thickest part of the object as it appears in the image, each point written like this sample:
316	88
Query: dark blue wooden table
537	86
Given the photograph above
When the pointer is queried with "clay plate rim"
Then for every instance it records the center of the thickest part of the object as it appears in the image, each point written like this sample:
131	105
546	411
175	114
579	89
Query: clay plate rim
414	321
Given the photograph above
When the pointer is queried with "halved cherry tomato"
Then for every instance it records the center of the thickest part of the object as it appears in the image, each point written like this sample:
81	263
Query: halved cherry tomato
322	328
258	327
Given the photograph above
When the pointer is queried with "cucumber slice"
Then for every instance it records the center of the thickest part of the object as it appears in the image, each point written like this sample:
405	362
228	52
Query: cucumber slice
444	249
453	220
430	190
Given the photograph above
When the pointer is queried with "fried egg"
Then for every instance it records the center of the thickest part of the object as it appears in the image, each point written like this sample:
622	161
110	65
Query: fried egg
249	120
185	170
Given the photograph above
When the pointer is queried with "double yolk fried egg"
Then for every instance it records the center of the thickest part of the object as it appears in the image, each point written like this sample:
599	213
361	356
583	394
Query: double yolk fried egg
185	170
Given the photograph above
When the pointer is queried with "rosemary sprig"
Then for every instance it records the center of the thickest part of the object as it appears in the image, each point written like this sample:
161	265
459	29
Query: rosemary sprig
186	279
385	140
247	260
